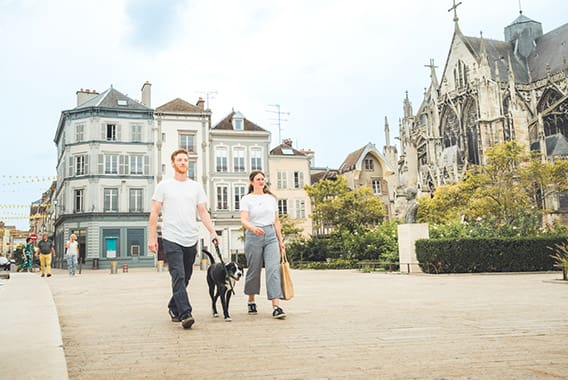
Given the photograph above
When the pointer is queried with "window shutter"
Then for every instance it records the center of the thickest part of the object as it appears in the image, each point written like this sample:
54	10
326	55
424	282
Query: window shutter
70	171
101	163
118	134
384	187
103	131
86	157
122	166
146	165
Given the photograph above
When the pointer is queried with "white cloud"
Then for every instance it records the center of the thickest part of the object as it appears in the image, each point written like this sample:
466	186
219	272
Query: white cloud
337	66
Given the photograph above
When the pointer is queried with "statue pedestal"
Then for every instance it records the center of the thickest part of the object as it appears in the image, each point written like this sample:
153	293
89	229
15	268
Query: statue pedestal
407	236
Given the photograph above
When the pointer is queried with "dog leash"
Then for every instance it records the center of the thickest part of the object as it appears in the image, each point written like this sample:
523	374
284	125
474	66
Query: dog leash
227	276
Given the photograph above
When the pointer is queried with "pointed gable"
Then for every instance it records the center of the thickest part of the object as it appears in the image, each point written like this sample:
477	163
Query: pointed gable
227	124
178	105
354	160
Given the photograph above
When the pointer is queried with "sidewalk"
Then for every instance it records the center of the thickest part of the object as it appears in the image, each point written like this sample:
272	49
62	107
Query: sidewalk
30	338
340	325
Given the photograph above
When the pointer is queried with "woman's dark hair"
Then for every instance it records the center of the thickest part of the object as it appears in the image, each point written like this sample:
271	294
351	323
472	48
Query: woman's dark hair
28	240
265	190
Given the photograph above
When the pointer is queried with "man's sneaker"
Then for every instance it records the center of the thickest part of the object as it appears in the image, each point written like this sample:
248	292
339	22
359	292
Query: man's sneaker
252	308
278	313
173	316
43	275
49	275
187	321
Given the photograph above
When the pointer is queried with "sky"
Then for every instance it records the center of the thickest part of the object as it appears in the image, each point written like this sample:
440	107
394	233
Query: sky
336	68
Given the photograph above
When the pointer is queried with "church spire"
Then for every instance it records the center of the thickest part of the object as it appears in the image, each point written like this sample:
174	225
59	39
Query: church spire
407	107
456	18
387	132
433	77
484	68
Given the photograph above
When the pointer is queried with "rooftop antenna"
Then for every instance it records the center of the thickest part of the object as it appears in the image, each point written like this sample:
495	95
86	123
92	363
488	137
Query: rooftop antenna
279	118
208	95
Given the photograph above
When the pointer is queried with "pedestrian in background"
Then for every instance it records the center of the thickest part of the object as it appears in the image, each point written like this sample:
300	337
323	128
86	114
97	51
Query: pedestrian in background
179	199
28	256
71	253
46	252
263	243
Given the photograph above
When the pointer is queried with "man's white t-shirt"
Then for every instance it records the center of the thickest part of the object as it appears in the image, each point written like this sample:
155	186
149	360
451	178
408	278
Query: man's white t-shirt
261	208
179	209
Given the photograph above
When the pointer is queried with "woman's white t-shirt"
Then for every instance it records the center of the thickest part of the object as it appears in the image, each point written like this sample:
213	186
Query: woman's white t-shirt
73	248
262	208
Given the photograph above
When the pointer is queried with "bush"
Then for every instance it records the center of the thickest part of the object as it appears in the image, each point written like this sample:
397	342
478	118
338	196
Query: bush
485	255
379	243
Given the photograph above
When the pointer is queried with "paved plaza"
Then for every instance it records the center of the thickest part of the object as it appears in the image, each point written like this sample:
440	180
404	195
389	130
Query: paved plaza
340	325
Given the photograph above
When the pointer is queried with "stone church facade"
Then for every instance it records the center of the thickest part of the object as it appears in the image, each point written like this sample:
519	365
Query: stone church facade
490	92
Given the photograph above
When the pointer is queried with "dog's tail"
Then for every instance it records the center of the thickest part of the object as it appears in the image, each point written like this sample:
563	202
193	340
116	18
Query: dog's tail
211	259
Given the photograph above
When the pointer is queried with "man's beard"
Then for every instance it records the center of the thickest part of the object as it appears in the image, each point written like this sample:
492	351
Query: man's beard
181	170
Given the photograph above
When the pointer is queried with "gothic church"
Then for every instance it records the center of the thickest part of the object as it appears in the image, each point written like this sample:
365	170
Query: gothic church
490	92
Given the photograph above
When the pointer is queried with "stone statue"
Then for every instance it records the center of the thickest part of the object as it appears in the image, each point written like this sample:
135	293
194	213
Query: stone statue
411	206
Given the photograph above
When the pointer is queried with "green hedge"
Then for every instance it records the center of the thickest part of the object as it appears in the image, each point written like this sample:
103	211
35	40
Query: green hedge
486	255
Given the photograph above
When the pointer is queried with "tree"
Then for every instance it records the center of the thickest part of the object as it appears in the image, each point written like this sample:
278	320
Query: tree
506	193
542	179
288	228
338	208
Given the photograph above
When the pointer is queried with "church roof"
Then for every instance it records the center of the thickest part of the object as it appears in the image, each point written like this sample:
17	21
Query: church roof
179	106
552	50
498	53
522	19
112	98
550	54
227	124
556	145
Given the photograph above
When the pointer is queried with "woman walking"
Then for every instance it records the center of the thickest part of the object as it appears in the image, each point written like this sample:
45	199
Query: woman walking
72	252
263	243
28	256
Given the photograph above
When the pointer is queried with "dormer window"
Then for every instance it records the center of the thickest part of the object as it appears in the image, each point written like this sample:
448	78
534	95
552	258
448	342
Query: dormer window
238	122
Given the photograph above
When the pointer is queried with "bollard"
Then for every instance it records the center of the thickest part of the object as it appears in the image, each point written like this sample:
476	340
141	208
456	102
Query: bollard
95	263
203	264
113	267
160	266
124	268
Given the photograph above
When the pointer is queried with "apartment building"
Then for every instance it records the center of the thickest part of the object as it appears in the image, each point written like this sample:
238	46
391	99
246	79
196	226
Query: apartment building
105	177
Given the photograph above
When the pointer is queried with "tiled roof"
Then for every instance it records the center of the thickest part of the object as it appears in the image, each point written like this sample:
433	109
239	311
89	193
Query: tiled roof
330	174
112	98
498	53
227	124
350	162
551	51
286	150
179	106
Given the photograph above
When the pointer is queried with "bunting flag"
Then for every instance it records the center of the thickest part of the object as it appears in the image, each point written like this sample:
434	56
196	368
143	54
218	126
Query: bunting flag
25	206
24	183
29	177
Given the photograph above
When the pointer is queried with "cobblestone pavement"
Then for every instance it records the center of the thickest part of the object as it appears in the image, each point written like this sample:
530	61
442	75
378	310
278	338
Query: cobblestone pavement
340	325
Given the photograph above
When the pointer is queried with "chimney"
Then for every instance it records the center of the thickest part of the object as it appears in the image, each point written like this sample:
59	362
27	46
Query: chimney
146	94
287	142
84	95
201	104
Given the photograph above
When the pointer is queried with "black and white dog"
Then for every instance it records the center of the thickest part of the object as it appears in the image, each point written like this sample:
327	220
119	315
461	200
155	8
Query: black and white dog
221	280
